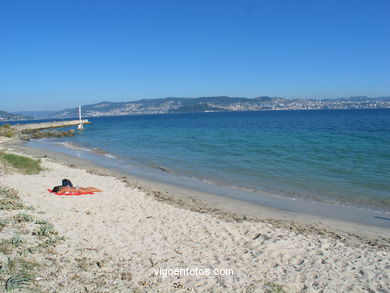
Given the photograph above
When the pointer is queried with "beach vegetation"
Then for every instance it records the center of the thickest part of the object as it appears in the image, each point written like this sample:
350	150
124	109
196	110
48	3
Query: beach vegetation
82	263
3	222
21	268
22	217
22	252
22	265
24	164
48	234
9	200
41	222
9	192
274	288
20	281
7	131
6	247
52	241
46	230
16	240
23	274
9	204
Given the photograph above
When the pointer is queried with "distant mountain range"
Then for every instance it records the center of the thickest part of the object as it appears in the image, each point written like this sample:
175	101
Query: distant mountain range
5	116
203	104
219	104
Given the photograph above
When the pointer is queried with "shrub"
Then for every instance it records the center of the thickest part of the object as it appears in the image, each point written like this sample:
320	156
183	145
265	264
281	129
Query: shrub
6	130
9	200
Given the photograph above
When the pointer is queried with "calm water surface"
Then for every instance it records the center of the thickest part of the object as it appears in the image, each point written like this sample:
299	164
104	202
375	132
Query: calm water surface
340	156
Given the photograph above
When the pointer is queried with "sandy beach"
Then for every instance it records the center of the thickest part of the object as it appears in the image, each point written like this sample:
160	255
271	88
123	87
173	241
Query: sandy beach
140	237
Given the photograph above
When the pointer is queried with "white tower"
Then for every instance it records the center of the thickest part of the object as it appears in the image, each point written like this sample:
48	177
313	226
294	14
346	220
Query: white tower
80	126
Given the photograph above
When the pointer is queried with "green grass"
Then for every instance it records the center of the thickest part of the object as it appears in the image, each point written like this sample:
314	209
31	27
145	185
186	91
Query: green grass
23	164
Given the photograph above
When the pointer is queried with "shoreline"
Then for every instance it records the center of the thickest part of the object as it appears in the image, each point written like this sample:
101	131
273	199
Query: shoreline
225	197
303	174
223	207
117	240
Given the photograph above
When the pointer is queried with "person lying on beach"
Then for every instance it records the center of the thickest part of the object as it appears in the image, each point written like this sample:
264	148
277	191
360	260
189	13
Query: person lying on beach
63	189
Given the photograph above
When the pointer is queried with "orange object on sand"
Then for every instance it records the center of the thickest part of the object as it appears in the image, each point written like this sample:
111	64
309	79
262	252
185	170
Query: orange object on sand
70	193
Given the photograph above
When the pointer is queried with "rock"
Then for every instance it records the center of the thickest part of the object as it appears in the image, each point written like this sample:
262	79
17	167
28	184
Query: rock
53	133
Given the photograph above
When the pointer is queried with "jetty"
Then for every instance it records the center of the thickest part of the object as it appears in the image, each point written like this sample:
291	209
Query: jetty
49	125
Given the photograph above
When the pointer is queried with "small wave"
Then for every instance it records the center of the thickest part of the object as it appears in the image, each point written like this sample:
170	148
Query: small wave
299	196
104	153
158	167
75	146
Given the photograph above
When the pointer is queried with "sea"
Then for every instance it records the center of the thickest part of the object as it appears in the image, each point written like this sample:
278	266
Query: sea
339	157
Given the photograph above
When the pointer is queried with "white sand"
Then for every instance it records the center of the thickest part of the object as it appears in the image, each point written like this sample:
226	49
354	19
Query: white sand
122	235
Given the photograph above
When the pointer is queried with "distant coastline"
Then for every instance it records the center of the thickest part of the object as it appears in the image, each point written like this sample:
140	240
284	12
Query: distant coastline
222	104
203	104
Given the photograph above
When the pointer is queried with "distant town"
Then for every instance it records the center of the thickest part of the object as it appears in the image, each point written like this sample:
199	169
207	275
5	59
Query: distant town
204	104
219	104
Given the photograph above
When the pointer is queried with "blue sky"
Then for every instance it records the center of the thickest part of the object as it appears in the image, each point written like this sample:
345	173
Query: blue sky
56	54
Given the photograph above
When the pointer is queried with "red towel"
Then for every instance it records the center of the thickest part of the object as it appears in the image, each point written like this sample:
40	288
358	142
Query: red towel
70	193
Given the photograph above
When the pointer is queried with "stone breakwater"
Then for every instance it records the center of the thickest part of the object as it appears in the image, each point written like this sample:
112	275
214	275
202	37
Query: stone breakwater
48	125
34	130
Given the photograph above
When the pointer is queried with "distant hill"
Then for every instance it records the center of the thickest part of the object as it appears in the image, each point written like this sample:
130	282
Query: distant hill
145	106
5	116
220	103
37	114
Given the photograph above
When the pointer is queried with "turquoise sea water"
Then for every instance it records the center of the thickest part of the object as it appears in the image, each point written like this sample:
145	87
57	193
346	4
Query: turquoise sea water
340	156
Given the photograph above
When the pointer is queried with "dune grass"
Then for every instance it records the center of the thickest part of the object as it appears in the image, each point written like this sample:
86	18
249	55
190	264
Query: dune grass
25	244
23	164
9	200
7	131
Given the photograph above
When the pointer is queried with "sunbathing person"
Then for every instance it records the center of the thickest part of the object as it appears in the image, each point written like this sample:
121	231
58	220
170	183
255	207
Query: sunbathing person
63	189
